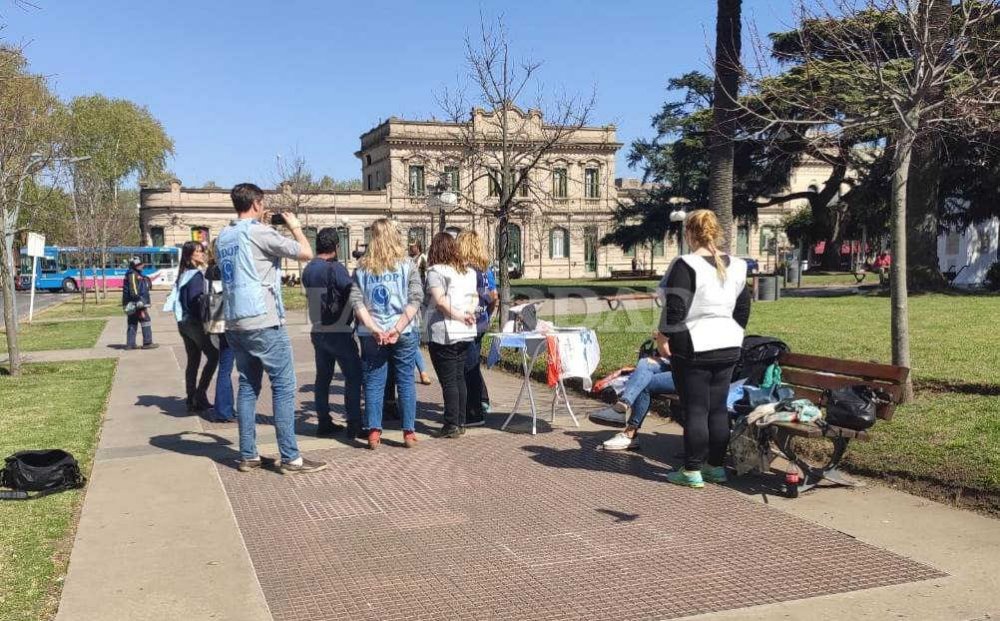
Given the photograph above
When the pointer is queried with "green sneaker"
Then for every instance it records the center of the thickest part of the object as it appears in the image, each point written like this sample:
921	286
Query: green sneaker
714	474
685	478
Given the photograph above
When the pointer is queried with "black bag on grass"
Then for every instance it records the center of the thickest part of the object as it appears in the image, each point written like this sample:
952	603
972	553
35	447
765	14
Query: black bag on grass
45	472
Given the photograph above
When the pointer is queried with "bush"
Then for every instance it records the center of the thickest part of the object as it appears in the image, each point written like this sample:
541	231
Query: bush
993	277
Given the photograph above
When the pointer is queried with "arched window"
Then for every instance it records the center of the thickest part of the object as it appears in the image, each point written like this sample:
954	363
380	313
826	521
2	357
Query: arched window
558	243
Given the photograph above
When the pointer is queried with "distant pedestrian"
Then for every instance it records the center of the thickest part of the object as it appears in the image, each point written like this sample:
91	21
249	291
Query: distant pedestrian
135	301
451	323
185	303
705	311
473	253
328	289
215	326
416	252
250	256
386	296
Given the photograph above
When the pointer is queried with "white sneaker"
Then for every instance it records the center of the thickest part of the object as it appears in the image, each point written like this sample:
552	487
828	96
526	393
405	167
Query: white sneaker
621	442
609	414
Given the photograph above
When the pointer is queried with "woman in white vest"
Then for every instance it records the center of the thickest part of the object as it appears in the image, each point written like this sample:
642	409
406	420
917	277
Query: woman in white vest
706	308
386	296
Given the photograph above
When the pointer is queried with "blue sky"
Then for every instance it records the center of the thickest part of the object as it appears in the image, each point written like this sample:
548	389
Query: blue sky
235	83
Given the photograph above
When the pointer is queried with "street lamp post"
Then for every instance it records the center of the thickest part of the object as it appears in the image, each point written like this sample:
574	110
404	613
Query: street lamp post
679	215
441	195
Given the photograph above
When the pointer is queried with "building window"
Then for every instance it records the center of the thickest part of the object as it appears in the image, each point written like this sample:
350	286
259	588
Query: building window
494	183
951	243
310	233
590	248
368	235
658	248
591	185
453	178
368	159
417	187
558	243
418	235
743	240
156	237
524	181
768	240
559	186
369	181
200	234
344	243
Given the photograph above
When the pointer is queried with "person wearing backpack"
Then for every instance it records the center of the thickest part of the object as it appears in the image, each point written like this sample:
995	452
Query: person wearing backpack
328	289
185	301
706	308
135	301
250	255
215	326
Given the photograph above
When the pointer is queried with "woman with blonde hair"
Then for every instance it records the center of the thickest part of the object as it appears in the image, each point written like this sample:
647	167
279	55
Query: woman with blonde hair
706	309
386	296
473	254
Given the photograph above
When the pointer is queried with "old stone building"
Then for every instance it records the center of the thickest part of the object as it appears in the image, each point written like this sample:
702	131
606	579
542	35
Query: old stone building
563	206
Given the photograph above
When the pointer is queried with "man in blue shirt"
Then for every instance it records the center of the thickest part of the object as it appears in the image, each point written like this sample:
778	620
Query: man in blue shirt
328	289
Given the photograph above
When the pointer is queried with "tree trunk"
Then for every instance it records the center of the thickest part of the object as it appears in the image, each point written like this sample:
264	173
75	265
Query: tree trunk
727	75
897	270
10	307
923	189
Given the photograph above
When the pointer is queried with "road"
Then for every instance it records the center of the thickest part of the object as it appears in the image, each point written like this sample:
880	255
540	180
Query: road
42	300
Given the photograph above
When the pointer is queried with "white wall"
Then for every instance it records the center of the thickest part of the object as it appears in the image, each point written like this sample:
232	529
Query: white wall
976	248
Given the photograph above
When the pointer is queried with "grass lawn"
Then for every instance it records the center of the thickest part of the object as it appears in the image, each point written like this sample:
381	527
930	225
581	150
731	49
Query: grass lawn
42	336
949	435
57	405
73	309
294	298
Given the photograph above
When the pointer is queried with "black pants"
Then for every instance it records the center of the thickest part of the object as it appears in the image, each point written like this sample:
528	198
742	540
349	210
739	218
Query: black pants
197	343
703	387
475	386
449	364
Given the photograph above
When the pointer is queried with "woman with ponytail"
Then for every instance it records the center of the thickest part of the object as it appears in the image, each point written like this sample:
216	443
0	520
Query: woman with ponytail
706	309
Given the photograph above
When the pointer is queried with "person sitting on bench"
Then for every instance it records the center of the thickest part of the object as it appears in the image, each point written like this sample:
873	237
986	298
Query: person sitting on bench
651	377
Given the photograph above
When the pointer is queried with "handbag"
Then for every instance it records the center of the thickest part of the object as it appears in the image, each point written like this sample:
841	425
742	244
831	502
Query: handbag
45	472
854	407
210	309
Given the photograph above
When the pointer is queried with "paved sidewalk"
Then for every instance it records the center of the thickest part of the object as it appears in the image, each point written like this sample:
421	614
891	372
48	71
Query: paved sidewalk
493	525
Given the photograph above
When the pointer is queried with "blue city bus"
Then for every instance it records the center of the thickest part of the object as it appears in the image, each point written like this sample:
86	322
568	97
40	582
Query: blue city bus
59	269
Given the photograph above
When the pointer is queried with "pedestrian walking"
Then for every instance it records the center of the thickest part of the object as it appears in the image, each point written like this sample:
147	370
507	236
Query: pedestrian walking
185	303
451	323
473	254
328	289
706	308
135	302
250	255
386	296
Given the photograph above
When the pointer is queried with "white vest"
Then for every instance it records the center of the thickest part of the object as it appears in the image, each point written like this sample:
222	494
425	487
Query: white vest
710	317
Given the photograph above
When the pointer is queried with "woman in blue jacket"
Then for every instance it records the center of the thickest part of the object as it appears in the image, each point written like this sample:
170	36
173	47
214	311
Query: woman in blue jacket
185	303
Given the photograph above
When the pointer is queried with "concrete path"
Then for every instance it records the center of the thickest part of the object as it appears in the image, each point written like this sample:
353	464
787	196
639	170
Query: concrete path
158	538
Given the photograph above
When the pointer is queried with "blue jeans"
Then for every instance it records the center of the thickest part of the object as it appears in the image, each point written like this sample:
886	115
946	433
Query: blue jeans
224	381
649	378
374	370
257	351
418	355
339	348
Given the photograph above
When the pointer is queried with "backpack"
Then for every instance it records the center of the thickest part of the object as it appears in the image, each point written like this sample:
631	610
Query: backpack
756	355
45	472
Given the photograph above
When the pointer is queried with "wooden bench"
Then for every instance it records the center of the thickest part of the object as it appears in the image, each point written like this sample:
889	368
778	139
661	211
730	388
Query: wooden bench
810	376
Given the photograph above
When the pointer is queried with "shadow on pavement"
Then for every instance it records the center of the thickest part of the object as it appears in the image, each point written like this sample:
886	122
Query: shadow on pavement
214	447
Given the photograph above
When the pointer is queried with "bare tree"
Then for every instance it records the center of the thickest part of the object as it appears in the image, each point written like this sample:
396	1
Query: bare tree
917	83
506	141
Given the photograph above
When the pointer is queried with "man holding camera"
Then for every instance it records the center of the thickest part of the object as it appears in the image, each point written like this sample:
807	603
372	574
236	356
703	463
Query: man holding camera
135	301
249	256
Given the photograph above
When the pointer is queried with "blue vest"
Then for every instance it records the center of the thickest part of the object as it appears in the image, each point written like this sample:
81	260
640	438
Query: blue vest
242	289
385	295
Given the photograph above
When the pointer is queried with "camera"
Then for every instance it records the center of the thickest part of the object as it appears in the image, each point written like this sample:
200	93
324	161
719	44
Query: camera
277	220
359	250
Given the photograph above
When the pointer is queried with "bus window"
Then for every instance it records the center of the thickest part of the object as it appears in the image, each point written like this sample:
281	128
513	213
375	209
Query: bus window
49	266
164	260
